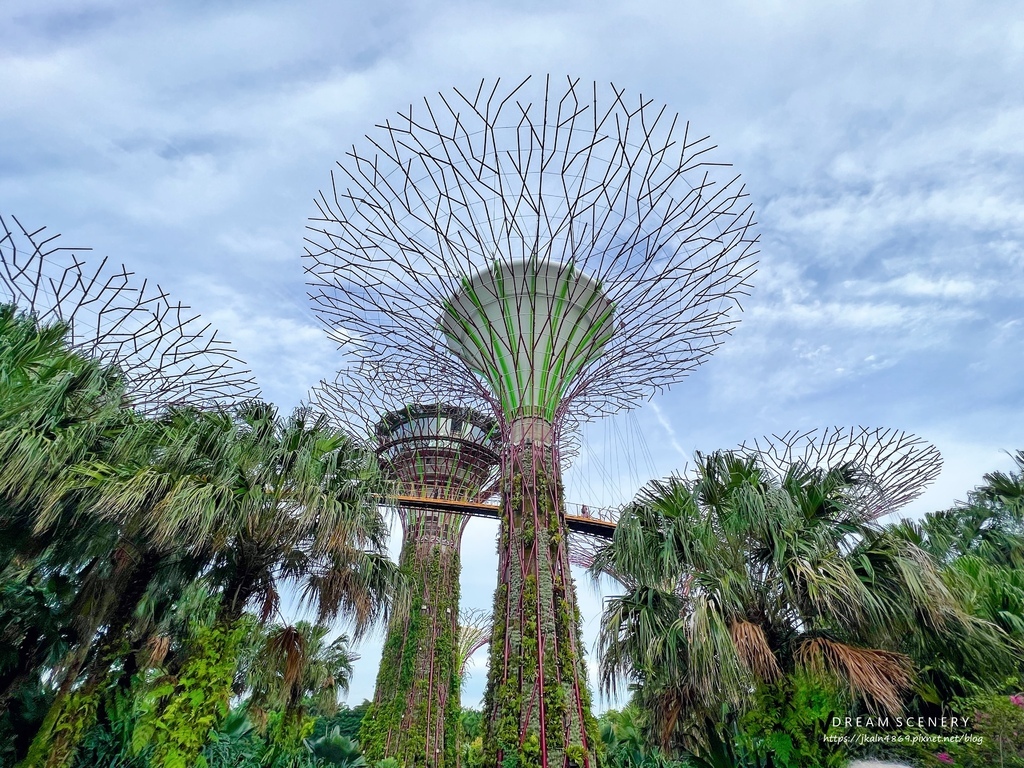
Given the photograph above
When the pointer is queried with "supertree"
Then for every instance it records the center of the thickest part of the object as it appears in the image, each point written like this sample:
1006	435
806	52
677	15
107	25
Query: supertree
166	353
565	252
474	634
441	453
889	467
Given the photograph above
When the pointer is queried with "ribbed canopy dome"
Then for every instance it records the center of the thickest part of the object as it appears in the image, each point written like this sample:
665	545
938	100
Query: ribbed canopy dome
528	327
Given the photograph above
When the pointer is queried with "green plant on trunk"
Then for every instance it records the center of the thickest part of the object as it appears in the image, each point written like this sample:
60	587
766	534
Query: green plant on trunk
536	699
179	714
415	714
64	726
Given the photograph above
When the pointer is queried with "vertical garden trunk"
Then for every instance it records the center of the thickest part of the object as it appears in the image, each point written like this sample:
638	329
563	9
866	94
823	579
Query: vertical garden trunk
415	713
537	701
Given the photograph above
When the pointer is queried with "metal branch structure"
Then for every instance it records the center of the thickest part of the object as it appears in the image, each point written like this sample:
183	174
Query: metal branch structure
565	252
890	467
474	633
589	529
440	454
166	353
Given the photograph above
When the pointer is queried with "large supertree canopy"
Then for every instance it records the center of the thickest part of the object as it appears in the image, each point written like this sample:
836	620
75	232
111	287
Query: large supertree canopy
165	351
890	467
579	249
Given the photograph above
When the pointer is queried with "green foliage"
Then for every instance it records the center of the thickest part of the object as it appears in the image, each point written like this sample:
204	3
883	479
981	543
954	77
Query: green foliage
179	714
287	732
624	742
235	744
998	719
993	737
23	716
980	546
333	749
346	721
108	743
471	724
471	753
997	730
419	664
786	725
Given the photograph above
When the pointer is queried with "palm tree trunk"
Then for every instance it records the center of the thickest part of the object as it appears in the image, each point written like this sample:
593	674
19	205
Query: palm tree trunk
73	712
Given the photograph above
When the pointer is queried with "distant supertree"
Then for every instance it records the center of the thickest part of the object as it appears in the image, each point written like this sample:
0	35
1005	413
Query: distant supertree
165	351
889	467
440	452
564	252
474	633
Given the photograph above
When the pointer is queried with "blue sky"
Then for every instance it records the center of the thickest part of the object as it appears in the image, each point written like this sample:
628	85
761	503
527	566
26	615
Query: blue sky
882	144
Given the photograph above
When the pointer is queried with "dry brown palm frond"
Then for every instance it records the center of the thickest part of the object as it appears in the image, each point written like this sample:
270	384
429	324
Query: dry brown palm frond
270	603
753	650
669	707
677	718
289	645
155	651
879	677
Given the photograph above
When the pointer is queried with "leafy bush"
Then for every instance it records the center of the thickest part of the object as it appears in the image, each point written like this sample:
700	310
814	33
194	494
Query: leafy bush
788	725
333	749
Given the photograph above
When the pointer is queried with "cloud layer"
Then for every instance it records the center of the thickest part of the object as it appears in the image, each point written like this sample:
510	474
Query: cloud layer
882	145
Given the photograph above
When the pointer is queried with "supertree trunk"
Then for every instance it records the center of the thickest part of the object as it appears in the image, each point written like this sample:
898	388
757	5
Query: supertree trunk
537	700
415	713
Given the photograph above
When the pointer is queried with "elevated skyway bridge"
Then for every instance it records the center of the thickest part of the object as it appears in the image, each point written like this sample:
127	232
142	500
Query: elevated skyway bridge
579	518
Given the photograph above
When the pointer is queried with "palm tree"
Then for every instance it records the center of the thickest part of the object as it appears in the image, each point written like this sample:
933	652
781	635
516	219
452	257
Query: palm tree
735	580
337	751
295	505
291	665
57	408
139	474
1005	491
980	546
119	506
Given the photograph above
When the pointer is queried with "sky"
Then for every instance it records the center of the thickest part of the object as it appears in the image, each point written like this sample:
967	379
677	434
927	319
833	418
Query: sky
882	145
